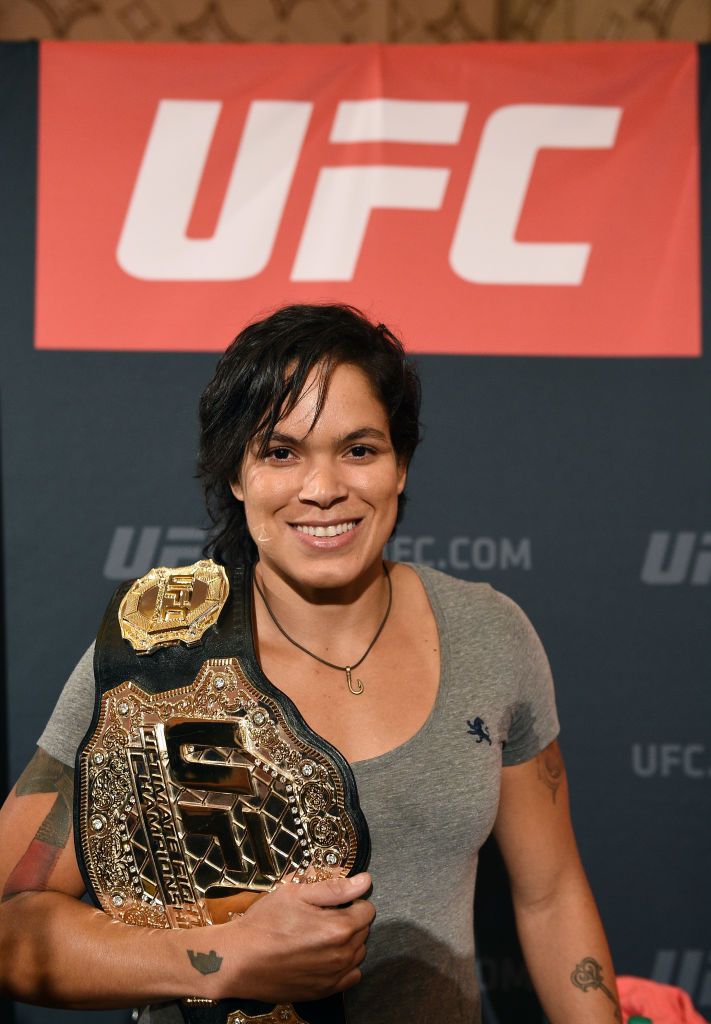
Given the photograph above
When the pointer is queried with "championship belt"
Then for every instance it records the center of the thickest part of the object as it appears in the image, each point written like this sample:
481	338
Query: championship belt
199	784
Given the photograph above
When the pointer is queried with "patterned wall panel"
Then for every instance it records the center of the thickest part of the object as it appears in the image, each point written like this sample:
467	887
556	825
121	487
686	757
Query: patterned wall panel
411	21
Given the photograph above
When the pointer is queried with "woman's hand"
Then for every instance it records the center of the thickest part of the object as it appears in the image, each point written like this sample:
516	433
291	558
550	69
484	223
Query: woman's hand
299	942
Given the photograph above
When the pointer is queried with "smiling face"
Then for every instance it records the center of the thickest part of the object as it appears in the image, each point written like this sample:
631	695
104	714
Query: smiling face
322	502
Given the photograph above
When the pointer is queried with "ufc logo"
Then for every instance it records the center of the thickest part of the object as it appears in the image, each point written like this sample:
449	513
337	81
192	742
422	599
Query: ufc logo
483	200
690	969
672	559
154	244
134	549
218	821
176	599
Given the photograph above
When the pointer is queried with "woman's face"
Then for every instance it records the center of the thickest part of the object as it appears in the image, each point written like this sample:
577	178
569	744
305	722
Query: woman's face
322	502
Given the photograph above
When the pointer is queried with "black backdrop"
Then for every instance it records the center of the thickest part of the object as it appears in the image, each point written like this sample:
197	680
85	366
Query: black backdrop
579	487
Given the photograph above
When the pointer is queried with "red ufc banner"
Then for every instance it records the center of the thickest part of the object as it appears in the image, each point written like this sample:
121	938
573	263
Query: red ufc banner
501	199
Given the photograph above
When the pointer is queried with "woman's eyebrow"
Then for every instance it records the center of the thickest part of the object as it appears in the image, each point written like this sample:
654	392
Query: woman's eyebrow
359	434
362	432
280	438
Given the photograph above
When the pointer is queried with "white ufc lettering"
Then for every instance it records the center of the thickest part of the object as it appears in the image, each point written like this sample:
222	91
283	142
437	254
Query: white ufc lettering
341	207
154	243
384	120
484	249
345	196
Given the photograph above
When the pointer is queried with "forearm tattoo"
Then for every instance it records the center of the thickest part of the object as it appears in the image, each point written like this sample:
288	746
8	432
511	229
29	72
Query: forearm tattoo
588	975
206	963
549	765
44	774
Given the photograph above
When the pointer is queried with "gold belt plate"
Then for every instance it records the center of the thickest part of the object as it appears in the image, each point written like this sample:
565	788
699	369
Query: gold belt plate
281	1014
170	606
196	800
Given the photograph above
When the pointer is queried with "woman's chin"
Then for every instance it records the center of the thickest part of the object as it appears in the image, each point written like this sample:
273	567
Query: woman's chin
325	570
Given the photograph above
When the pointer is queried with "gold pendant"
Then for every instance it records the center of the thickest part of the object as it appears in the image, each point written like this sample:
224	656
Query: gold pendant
349	680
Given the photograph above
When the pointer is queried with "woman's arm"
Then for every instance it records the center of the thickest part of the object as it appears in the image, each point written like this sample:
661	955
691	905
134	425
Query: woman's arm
58	951
558	923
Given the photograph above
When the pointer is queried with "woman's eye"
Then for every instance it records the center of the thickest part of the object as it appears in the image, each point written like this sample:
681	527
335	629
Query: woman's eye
279	454
359	451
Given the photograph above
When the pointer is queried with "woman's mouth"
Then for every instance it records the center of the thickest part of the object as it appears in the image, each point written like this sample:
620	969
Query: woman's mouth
331	530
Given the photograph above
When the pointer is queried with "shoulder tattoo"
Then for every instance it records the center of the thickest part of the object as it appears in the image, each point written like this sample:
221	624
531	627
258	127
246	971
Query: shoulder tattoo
44	774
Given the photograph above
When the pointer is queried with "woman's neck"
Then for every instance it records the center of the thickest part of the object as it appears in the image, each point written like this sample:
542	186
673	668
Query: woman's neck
334	620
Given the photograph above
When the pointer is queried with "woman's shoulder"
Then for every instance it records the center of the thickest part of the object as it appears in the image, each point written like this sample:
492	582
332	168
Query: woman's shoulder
452	590
470	601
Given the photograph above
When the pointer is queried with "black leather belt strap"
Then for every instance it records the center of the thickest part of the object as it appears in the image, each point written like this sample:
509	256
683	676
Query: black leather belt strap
169	668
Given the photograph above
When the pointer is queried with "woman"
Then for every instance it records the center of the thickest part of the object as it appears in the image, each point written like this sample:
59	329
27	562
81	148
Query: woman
437	692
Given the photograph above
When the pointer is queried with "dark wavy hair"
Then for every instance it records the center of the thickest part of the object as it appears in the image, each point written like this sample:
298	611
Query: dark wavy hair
259	380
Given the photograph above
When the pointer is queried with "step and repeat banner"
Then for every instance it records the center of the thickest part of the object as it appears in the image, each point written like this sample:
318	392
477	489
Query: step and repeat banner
532	221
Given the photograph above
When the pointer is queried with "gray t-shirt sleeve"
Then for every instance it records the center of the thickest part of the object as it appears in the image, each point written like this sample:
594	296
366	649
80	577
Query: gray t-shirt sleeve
534	719
72	714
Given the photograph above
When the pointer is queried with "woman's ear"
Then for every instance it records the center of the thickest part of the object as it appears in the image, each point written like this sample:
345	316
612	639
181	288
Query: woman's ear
236	488
402	476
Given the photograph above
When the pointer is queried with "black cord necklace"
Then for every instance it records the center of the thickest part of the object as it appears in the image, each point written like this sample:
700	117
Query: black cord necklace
358	689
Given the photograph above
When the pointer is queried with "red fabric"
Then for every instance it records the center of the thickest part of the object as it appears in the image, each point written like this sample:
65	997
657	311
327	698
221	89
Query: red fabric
631	214
663	1004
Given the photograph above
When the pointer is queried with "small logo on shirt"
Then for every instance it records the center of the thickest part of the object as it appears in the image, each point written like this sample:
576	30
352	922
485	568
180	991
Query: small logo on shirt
477	727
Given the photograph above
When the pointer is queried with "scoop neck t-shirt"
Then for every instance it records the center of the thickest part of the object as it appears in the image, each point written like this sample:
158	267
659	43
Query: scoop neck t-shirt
430	802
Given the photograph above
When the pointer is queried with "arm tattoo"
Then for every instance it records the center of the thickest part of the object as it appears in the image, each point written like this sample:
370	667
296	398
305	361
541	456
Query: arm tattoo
588	974
549	765
44	774
206	963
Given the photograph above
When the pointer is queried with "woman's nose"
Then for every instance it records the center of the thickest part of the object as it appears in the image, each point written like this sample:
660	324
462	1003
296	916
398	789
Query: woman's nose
322	484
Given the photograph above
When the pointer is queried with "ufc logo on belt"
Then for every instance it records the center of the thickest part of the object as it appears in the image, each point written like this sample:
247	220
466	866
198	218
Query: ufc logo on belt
177	599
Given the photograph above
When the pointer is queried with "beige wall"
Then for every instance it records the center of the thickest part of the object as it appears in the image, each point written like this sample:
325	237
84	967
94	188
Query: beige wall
415	21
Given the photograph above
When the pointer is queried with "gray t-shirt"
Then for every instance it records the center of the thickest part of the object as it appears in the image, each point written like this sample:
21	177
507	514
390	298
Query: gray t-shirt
430	803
